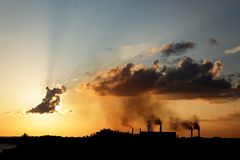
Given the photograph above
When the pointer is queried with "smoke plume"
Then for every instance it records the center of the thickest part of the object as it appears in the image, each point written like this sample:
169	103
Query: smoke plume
158	121
151	122
149	126
140	110
179	124
49	103
125	122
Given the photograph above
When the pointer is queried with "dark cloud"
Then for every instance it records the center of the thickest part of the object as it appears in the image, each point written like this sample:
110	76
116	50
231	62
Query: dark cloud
187	80
174	48
127	81
51	100
212	41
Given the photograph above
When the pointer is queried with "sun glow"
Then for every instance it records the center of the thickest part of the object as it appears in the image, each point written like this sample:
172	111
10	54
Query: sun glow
58	107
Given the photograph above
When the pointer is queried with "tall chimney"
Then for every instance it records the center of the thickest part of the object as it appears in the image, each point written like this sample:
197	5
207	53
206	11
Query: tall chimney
149	126
140	130
132	131
191	132
160	127
198	132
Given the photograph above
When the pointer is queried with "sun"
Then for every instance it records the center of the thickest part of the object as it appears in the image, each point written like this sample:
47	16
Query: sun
58	107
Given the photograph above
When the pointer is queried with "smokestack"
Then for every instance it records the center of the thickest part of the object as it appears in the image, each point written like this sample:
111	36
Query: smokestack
132	131
191	132
149	126
159	122
199	132
140	130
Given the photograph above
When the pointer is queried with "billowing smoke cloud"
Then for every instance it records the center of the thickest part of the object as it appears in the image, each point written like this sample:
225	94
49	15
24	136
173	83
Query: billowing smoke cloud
233	50
141	109
173	48
158	121
49	103
178	124
212	41
125	122
149	126
187	80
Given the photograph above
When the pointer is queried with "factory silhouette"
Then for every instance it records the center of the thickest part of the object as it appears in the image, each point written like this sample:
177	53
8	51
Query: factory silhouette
163	134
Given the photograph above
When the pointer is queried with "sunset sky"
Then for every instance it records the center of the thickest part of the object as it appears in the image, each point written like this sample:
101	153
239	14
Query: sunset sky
99	51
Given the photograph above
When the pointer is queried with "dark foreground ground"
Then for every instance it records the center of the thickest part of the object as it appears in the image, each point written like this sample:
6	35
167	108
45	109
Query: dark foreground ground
109	144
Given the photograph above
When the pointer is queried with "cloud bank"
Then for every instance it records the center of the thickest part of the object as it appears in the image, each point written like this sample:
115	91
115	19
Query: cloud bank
187	80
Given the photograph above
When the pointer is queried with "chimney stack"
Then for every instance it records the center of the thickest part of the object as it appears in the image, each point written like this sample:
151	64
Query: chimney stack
198	132
160	127
149	126
132	131
140	130
191	132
